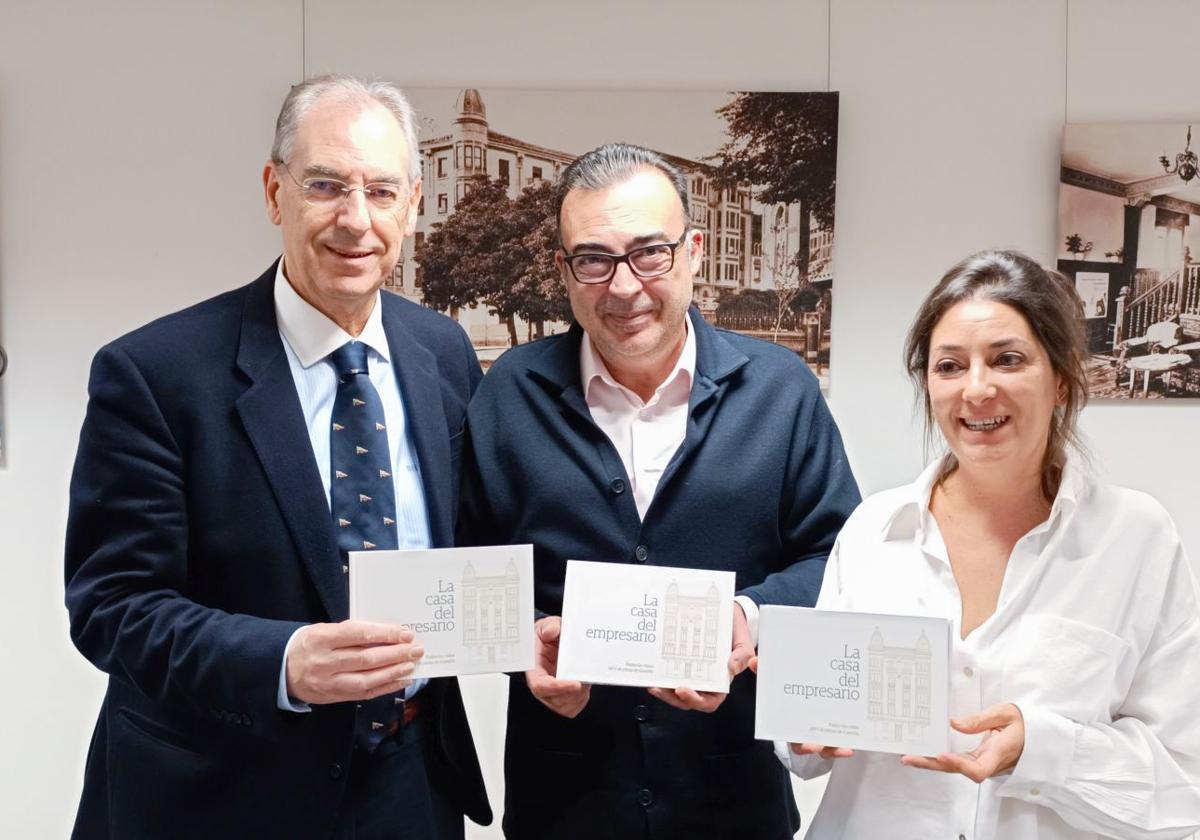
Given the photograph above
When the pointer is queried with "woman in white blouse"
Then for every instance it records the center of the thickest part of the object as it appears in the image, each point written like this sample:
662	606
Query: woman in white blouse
1075	669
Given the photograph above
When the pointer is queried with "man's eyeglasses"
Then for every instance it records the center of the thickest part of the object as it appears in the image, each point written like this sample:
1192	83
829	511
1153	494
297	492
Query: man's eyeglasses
646	262
327	193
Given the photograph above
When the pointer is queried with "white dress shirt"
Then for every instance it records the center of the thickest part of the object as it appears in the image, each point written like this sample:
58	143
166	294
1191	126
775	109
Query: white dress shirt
646	434
1096	638
309	337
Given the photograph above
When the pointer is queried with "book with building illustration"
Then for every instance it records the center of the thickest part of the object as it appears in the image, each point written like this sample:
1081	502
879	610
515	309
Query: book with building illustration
646	626
861	680
470	608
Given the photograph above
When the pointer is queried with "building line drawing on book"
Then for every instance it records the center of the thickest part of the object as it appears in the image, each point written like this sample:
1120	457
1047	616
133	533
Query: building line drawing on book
690	632
491	613
898	689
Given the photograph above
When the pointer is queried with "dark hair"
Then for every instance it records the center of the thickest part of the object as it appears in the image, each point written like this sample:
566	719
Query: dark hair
611	164
1049	304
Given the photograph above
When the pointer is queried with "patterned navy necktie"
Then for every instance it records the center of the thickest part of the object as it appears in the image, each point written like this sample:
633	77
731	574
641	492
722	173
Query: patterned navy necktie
361	494
362	498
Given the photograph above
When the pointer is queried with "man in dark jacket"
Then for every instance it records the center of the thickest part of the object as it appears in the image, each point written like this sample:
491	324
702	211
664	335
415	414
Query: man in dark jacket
645	436
232	454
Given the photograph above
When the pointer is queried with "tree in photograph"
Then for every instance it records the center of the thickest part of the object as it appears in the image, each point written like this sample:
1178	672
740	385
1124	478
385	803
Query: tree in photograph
454	253
758	304
785	146
492	251
539	293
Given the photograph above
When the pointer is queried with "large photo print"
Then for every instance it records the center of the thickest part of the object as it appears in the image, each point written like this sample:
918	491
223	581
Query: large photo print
1129	237
760	170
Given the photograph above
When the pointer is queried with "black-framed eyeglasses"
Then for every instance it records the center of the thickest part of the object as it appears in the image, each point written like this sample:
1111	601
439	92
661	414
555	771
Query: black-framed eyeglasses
646	263
327	193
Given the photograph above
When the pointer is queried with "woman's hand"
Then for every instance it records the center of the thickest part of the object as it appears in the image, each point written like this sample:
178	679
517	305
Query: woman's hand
1000	749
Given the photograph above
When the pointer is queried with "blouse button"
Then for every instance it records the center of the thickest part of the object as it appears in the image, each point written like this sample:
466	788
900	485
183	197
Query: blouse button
968	672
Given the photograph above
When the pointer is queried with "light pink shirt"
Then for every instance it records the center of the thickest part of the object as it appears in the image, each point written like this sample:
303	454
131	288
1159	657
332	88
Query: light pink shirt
645	434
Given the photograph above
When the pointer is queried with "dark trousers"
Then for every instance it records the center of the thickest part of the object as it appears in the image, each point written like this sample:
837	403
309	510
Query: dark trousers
389	796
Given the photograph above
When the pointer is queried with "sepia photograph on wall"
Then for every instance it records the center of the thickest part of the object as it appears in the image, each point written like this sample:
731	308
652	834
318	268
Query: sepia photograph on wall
1129	238
760	170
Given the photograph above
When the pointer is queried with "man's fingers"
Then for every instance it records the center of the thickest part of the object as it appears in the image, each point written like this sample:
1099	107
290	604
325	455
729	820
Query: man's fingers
564	697
688	699
740	658
753	664
387	681
360	633
544	686
549	629
667	696
350	660
700	701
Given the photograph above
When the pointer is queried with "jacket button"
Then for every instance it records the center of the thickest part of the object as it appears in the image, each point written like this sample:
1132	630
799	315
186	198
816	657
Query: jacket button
641	553
617	485
335	771
641	713
645	797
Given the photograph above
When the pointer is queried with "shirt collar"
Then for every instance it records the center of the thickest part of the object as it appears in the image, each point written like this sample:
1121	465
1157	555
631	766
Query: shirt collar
311	334
592	366
912	504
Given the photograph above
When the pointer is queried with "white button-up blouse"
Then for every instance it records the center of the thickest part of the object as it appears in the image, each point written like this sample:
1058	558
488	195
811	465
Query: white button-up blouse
1096	638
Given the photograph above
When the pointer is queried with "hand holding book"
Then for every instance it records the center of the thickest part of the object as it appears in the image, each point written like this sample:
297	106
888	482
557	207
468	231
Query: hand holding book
1003	730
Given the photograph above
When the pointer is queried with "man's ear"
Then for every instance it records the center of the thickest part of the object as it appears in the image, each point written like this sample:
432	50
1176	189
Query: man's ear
695	246
414	203
271	185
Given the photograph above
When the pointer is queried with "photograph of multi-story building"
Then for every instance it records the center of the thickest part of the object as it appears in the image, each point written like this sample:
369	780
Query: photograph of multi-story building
767	267
1129	238
898	688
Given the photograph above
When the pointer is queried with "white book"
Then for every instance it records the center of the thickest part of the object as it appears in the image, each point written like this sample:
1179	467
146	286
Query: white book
861	680
470	608
646	626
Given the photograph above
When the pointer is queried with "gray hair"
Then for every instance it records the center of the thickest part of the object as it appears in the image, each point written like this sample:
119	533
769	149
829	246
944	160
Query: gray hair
1049	304
611	164
350	89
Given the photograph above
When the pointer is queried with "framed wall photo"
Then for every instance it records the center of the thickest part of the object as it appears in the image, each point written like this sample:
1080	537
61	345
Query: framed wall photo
1092	288
760	171
1129	235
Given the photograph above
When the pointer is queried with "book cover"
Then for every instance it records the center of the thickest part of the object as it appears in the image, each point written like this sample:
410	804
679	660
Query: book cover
646	626
471	608
861	680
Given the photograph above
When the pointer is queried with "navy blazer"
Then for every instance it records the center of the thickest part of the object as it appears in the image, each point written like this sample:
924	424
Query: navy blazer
199	538
760	486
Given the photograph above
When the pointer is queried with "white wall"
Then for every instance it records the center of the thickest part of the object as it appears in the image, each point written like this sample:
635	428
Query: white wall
132	136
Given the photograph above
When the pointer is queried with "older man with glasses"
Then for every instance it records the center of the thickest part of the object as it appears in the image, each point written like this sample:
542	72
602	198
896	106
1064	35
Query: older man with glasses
645	436
231	456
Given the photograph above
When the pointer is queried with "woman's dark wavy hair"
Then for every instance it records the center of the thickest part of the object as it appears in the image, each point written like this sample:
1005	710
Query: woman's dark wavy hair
1048	302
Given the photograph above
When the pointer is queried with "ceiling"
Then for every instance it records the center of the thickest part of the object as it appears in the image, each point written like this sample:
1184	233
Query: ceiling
1128	152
